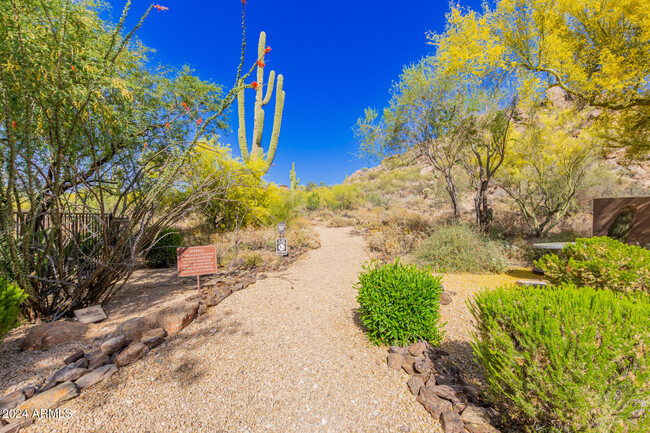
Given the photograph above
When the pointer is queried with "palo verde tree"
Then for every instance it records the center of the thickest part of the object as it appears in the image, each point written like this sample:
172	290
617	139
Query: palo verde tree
426	113
596	51
91	142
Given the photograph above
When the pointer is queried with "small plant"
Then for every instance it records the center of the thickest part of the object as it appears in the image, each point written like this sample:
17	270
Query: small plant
399	304
163	252
565	359
11	296
374	199
460	248
600	262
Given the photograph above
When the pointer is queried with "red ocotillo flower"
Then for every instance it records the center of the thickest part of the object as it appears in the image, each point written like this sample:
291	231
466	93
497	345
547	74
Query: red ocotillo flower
13	124
73	68
254	84
243	2
267	50
198	122
167	125
145	146
160	8
186	107
260	64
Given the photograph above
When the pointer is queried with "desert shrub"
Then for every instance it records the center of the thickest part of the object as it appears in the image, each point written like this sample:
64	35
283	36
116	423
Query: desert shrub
600	262
340	221
374	199
163	251
11	296
399	304
458	247
313	201
399	232
342	197
565	359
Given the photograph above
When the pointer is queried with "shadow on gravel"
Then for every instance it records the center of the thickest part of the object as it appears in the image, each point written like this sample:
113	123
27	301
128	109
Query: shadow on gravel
462	354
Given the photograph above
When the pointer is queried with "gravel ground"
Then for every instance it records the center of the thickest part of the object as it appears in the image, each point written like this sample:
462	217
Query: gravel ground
284	355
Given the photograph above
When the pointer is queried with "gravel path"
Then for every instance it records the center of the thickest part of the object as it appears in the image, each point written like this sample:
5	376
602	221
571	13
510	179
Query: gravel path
284	355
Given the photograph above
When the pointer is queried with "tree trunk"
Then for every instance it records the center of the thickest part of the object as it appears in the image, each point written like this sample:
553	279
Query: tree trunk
483	212
453	193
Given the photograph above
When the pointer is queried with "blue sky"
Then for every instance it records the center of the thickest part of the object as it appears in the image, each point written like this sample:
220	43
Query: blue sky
337	58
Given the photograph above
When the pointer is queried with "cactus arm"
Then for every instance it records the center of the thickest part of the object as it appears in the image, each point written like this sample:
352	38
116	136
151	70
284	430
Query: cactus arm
277	121
257	143
241	133
269	90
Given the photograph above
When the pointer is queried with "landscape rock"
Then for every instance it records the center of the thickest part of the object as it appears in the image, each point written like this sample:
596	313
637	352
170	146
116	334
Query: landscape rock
414	384
394	361
50	399
113	345
398	349
432	403
76	356
48	335
407	364
221	293
451	422
11	400
445	391
133	328
80	363
202	310
475	415
238	286
132	353
444	379
472	392
17	425
445	298
417	349
67	374
472	428
422	364
173	319
96	376
30	390
153	338
210	301
97	360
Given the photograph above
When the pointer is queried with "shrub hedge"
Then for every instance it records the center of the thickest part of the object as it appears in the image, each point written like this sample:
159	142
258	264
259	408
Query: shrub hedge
11	296
600	262
163	252
565	359
399	304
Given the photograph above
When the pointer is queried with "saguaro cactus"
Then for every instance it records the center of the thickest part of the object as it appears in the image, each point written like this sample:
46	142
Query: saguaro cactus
292	175
260	101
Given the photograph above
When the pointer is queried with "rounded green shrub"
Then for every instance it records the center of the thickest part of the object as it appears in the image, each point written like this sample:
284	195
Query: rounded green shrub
600	262
11	296
399	304
163	252
565	359
458	247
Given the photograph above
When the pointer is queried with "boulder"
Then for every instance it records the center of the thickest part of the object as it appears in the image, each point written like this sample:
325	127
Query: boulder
97	360
113	345
394	361
451	422
67	374
173	319
30	390
153	338
407	364
414	384
17	425
132	353
398	349
11	400
50	399
432	403
210	301
96	376
202	310
76	356
475	415
133	328
445	391
422	364
80	363
48	335
472	428
444	379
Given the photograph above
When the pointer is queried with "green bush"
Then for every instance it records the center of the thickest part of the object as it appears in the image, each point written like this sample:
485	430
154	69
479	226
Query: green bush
460	248
163	252
313	201
565	359
600	262
399	304
342	197
11	296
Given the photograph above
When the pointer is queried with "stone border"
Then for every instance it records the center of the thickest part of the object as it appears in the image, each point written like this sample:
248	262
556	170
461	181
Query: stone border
440	387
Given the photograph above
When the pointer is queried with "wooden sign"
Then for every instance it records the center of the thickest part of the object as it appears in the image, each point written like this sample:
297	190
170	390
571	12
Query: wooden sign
90	315
196	261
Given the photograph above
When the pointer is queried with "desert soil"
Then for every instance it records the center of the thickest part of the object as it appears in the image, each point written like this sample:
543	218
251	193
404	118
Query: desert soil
284	355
